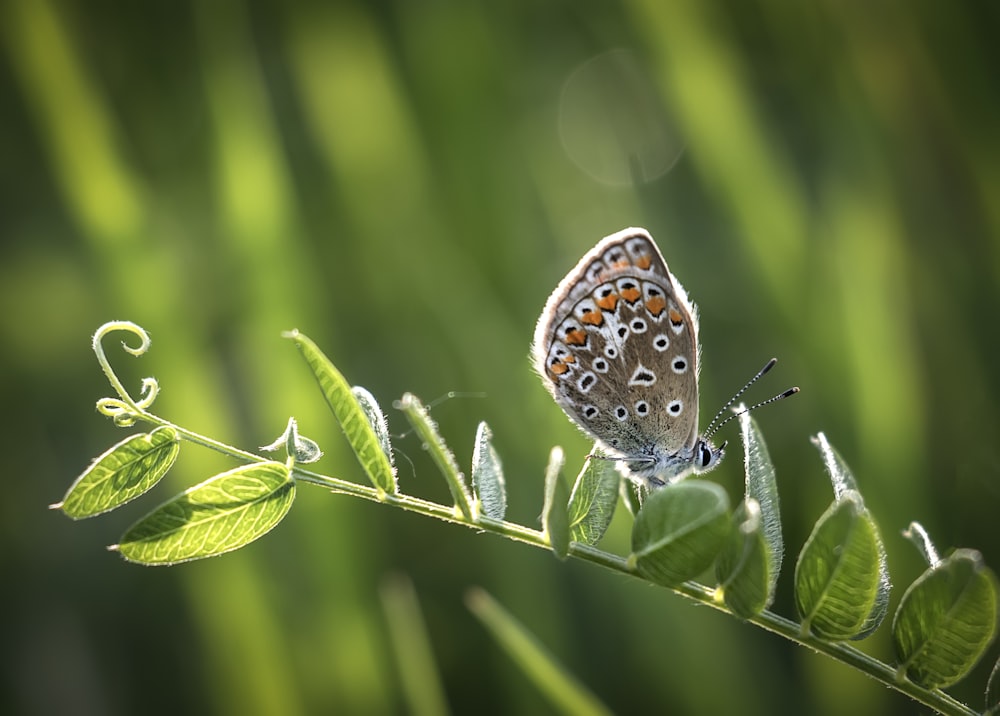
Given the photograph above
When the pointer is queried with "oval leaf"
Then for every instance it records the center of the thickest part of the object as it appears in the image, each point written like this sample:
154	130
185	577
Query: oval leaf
743	566
352	418
592	501
843	482
838	574
121	474
679	531
442	455
945	620
762	488
555	519
488	482
221	514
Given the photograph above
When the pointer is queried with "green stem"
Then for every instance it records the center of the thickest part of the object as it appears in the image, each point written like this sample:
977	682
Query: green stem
844	653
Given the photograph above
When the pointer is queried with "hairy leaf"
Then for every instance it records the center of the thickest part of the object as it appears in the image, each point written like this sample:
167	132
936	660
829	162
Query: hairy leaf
376	419
843	482
487	475
762	488
679	531
945	620
993	691
837	577
442	455
592	501
555	519
743	566
349	413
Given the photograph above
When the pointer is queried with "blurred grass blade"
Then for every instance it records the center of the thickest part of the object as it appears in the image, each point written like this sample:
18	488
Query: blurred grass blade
566	694
555	518
223	513
742	568
376	419
349	413
418	672
945	620
762	487
127	470
837	574
488	483
679	531
442	455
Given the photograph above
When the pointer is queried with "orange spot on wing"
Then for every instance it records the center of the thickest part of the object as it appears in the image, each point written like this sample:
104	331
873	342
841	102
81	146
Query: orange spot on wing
656	304
558	368
675	317
576	337
608	302
594	318
644	261
631	294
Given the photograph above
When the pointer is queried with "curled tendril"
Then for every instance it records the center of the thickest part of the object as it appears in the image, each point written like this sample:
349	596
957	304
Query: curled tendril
124	410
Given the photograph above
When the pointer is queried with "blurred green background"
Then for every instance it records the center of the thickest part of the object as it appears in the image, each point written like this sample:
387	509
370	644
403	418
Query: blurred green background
406	182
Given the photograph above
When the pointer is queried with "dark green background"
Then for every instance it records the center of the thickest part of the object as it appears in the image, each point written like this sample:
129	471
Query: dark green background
402	182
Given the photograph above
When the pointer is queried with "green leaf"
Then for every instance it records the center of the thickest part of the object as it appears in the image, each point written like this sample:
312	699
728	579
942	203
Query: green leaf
843	481
837	577
632	495
487	475
679	531
592	501
443	457
762	488
349	413
743	566
121	474
301	449
840	474
922	541
566	693
555	519
993	691
221	514
376	419
945	620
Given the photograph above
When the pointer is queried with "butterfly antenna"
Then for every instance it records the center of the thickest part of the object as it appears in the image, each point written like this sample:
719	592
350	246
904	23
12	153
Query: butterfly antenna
715	425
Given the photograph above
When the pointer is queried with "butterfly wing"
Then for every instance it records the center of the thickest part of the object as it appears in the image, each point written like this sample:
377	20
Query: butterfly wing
617	347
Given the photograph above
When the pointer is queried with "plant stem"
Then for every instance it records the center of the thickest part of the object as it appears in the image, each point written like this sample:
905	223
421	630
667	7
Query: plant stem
839	651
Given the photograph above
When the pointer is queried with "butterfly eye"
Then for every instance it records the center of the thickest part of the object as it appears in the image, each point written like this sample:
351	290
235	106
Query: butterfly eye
706	456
